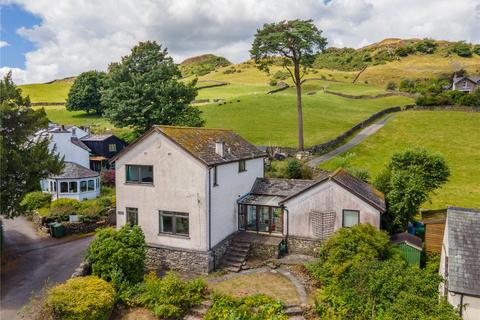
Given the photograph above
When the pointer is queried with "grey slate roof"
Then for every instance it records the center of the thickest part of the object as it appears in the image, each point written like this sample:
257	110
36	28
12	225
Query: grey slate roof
407	238
200	143
360	188
279	187
80	144
97	137
463	231
73	170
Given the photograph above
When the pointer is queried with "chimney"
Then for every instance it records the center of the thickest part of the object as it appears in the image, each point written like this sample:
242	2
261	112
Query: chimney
220	148
74	132
63	127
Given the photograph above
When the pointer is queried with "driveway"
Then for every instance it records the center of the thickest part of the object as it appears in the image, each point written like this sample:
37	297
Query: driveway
362	135
30	261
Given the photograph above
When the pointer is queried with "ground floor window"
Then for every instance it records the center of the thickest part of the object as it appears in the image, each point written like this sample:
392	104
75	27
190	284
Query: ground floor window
176	223
260	218
350	218
132	216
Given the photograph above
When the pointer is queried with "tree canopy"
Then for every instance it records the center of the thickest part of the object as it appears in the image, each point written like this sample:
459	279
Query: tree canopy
23	161
85	93
407	182
364	277
144	90
295	43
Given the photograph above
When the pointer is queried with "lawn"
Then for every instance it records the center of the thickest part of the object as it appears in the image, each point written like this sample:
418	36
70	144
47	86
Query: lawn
454	134
272	119
274	285
56	91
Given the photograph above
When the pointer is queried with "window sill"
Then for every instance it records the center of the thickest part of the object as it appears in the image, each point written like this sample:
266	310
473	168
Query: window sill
145	184
174	235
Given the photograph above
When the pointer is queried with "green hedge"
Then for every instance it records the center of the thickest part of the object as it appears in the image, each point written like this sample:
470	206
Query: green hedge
83	298
35	200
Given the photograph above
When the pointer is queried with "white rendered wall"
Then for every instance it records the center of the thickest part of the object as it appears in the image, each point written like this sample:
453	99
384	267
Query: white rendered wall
327	196
72	153
231	186
180	183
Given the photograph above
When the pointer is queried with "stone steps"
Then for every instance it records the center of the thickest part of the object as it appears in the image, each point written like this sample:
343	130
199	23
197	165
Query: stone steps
236	255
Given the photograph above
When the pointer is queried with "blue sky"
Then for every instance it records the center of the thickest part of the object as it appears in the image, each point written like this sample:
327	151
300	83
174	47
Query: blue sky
66	37
13	17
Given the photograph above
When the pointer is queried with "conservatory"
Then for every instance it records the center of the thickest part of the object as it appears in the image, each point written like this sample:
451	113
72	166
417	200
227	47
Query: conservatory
75	182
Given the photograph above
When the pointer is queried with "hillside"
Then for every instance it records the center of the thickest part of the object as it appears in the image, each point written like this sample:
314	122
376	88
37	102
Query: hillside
201	65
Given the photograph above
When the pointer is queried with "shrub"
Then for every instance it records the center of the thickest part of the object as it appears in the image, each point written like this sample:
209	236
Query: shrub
273	82
463	49
121	251
472	99
170	297
36	200
297	170
391	86
83	298
93	210
256	307
60	209
476	49
108	177
426	46
281	75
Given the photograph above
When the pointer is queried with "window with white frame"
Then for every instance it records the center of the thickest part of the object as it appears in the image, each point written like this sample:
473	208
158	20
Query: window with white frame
83	186
91	185
112	147
350	218
175	223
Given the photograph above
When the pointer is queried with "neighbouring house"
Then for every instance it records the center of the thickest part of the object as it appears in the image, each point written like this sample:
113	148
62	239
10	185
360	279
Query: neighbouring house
103	147
75	182
66	142
464	83
410	247
194	191
460	261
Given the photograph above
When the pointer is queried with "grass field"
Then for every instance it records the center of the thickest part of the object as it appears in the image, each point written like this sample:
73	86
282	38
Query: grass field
454	134
272	119
56	91
418	67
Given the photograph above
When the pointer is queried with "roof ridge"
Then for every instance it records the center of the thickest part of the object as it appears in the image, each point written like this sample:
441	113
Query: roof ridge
186	127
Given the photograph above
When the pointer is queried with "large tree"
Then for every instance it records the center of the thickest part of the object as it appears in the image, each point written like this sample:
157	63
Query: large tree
144	90
295	43
86	92
408	181
23	161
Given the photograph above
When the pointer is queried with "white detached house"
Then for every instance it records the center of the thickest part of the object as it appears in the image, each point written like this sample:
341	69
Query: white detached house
192	189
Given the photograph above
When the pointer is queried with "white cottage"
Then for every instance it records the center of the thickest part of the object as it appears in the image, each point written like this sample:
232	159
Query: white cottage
460	261
194	191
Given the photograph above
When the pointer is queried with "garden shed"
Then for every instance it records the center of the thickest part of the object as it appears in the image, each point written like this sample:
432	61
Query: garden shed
410	246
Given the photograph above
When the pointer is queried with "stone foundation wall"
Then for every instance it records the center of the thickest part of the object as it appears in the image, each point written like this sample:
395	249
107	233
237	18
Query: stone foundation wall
219	250
182	260
264	251
303	246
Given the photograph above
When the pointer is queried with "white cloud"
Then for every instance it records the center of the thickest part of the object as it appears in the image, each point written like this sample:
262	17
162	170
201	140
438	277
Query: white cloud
80	35
4	44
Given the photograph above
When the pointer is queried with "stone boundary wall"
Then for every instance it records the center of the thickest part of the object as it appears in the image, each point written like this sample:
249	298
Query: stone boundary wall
40	104
284	87
329	145
71	227
366	96
264	251
324	147
216	84
449	108
297	245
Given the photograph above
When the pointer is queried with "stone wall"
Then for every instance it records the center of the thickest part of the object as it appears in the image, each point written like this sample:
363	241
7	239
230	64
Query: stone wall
264	251
297	245
83	227
183	260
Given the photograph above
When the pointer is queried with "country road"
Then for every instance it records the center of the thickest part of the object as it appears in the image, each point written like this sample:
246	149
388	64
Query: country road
30	261
362	135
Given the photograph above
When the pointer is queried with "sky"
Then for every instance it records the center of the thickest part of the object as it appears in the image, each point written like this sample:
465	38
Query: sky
43	40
